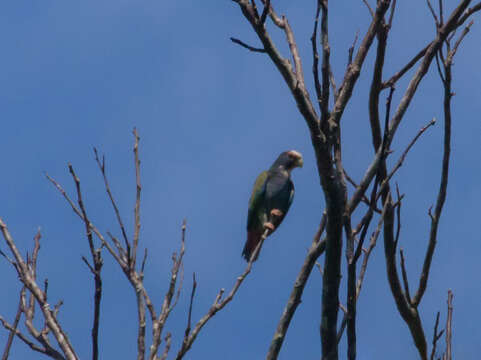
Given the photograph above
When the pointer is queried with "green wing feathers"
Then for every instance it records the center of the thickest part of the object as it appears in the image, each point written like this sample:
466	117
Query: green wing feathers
256	202
259	189
256	215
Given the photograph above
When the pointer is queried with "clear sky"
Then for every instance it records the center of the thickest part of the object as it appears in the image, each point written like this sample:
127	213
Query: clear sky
211	116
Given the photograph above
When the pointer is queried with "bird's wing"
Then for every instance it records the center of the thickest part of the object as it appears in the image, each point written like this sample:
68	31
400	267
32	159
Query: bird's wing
291	194
256	201
256	215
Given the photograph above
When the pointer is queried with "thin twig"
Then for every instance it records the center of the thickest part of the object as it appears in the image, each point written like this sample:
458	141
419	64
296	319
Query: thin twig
350	52
189	319
167	306
391	16
362	272
441	16
369	8
219	304
315	55
243	44
400	162
27	276
449	325
436	337
443	182
13	331
101	166
461	37
391	81
433	13
317	248
265	11
168	341
469	12
405	276
138	188
97	262
326	65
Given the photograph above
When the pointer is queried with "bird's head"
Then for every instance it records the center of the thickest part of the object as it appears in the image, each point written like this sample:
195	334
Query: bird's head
289	160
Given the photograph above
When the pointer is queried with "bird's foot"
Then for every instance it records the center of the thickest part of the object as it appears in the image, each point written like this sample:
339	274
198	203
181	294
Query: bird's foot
269	225
276	212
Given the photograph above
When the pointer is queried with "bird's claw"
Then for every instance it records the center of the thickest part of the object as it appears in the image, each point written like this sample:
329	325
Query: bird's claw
269	225
276	212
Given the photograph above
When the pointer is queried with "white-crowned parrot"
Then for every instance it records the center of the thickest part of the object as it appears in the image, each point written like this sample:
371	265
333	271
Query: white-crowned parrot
270	200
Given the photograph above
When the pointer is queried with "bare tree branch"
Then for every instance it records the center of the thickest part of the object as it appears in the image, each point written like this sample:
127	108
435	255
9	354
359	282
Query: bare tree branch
362	272
368	8
159	323
267	7
219	303
449	325
405	276
137	199
13	331
400	162
27	276
443	33
317	248
388	83
315	54
243	44
101	166
31	344
326	66
436	337
189	319
433	13
97	261
469	12
444	179
168	341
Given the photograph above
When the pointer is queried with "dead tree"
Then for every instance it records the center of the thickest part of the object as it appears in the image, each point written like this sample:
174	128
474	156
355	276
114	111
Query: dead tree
325	126
373	200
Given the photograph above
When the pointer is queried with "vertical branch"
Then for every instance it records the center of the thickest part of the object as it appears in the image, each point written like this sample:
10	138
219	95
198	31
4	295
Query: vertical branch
101	165
95	269
266	10
436	336
376	86
317	248
326	66
352	74
192	295
142	323
167	306
97	299
444	179
137	199
8	345
351	296
315	54
449	324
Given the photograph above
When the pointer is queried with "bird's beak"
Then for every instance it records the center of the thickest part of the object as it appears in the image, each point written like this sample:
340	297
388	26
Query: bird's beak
300	162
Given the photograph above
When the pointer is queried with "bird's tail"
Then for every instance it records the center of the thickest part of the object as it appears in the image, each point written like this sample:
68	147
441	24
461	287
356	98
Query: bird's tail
253	238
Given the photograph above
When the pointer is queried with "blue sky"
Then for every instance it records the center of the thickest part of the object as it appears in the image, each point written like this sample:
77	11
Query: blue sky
211	116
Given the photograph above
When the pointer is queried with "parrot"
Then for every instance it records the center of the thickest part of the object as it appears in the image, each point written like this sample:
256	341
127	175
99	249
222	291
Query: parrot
270	200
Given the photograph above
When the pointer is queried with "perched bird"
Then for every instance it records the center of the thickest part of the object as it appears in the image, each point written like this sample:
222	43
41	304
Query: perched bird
270	200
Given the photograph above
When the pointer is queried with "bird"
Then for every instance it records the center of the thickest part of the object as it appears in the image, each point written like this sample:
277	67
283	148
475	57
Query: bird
270	200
